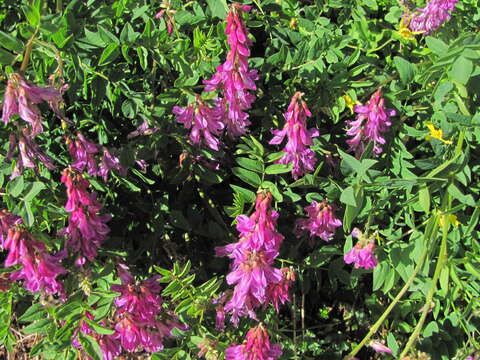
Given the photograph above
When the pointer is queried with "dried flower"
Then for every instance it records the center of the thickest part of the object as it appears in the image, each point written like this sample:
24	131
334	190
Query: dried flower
321	221
297	149
363	253
371	123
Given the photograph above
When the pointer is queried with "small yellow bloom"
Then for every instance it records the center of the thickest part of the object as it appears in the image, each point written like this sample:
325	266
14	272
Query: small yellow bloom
435	133
349	102
293	23
404	31
452	219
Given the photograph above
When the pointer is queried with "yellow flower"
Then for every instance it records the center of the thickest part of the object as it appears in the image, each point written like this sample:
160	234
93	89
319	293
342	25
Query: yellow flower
404	31
349	102
452	219
435	133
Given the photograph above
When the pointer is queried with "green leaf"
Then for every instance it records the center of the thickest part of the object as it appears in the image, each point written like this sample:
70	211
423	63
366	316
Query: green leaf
110	53
250	164
6	58
437	46
34	312
11	43
218	8
99	329
41	326
278	168
405	69
90	346
35	188
348	196
247	176
15	188
248	195
424	198
461	70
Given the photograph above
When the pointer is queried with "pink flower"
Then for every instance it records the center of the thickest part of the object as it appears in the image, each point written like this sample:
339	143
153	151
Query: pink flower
21	97
204	121
39	268
363	253
278	292
86	229
321	221
256	281
233	78
139	306
256	347
379	347
108	163
297	149
83	153
432	16
371	123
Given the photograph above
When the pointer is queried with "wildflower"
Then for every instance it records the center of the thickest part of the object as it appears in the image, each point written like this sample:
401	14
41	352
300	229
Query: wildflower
143	129
435	133
379	347
349	102
86	229
363	253
257	346
278	293
404	31
321	221
109	162
39	268
432	16
233	78
451	218
21	97
371	122
205	122
168	15
208	349
297	149
137	309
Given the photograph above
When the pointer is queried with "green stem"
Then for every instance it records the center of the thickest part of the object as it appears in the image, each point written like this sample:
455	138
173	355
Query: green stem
28	51
442	259
381	46
397	298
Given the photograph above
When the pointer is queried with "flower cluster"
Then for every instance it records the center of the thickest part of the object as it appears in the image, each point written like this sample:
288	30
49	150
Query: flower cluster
86	229
39	268
297	150
371	122
321	221
21	97
205	121
139	307
84	154
363	253
257	346
234	78
256	281
432	16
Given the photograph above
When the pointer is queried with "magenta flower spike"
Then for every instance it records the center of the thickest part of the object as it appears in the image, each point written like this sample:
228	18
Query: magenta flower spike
233	79
257	346
321	221
252	273
204	121
87	229
371	122
362	255
137	316
21	97
297	150
379	347
39	269
432	16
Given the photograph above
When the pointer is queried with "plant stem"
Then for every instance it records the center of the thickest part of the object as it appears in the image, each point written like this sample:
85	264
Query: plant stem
442	259
28	51
397	298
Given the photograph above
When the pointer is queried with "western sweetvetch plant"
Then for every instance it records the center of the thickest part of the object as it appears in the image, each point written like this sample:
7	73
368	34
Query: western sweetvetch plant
185	95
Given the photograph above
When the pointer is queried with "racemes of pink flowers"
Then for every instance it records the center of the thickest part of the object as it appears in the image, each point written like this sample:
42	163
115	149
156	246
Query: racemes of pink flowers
432	16
40	269
21	97
257	346
87	229
362	255
233	79
84	154
204	121
297	150
256	281
370	125
138	308
321	221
